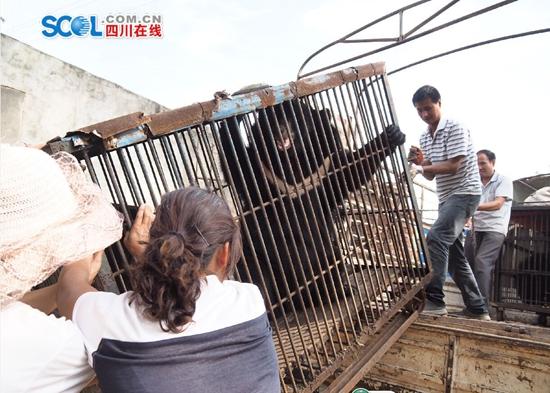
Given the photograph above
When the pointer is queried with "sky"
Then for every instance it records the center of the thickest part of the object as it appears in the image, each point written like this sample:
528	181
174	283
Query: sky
500	91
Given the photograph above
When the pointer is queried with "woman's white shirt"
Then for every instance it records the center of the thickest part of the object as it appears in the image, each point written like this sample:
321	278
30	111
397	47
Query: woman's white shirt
40	353
106	315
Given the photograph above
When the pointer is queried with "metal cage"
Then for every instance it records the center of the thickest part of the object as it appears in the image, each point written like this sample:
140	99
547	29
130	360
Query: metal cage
522	272
331	231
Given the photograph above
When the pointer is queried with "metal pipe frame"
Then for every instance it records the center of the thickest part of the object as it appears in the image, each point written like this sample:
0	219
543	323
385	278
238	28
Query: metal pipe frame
402	38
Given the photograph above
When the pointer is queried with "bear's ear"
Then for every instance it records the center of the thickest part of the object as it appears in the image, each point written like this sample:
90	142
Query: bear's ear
325	115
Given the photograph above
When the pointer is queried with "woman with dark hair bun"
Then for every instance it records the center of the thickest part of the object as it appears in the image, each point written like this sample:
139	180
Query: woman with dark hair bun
185	326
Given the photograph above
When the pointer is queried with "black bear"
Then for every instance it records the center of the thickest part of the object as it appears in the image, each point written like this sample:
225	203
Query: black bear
291	172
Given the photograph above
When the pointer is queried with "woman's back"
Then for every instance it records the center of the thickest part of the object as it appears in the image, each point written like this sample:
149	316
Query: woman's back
228	346
185	326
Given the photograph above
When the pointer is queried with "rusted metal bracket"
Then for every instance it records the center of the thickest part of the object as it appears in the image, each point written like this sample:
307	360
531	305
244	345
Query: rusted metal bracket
137	127
371	353
449	364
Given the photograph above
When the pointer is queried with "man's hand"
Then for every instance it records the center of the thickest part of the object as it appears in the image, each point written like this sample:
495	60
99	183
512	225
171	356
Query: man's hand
416	156
95	265
416	169
137	238
87	267
395	136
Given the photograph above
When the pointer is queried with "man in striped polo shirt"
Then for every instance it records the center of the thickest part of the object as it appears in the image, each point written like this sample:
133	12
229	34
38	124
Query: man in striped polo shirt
450	158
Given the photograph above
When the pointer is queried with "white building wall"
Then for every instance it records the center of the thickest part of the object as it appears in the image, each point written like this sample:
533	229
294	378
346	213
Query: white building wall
43	97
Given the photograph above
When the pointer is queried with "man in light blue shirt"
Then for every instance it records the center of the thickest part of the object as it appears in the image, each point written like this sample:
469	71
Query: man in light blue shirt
490	222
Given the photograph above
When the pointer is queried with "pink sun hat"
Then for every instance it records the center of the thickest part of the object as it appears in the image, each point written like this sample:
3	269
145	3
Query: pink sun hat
50	214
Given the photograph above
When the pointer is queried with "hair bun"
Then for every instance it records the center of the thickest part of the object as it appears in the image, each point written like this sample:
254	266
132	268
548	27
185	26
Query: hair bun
172	246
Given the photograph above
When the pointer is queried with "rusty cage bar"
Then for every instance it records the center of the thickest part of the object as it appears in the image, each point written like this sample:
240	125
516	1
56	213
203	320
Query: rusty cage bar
331	231
522	272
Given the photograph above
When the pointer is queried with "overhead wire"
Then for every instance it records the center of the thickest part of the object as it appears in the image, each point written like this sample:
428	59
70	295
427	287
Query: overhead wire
481	43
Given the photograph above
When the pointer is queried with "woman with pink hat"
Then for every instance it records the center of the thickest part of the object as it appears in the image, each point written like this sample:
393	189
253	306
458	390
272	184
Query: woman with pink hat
50	215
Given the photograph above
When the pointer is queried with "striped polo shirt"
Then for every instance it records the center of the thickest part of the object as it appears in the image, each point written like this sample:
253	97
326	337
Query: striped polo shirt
451	140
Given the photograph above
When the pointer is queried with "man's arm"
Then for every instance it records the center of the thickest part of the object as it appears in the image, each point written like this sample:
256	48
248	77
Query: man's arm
429	170
423	164
496	204
447	167
75	280
43	299
504	192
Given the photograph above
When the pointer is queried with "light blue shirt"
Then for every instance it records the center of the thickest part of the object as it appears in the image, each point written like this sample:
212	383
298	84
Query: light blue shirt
495	220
